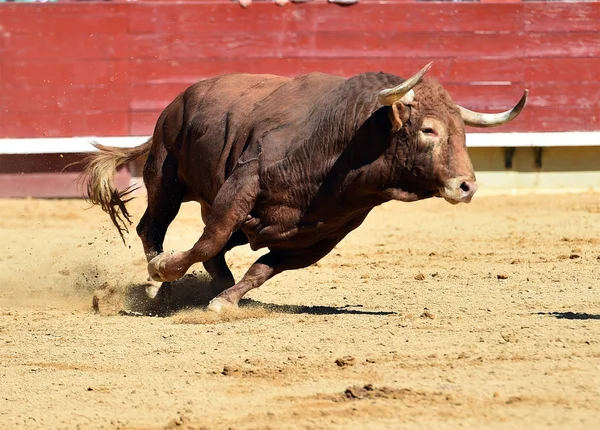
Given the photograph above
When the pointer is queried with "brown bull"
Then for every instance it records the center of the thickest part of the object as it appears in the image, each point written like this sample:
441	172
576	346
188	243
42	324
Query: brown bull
289	164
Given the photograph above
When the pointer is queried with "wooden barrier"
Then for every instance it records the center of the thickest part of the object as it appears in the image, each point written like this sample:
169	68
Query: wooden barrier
108	69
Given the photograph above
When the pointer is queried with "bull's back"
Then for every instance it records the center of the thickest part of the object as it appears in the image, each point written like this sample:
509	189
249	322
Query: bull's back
216	127
224	117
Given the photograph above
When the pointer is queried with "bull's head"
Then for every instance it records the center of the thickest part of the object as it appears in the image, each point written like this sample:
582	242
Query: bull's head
429	133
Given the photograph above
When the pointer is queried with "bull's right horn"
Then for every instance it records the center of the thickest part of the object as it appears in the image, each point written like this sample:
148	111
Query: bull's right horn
391	95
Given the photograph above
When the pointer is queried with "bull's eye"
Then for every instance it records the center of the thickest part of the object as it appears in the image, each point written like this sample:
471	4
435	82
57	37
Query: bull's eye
428	131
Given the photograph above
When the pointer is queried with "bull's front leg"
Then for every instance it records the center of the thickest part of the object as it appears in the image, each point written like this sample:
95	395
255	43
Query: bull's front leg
268	266
230	208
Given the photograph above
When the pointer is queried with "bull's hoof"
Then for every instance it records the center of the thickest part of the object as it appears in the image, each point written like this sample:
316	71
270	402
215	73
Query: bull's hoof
220	304
154	268
159	270
152	291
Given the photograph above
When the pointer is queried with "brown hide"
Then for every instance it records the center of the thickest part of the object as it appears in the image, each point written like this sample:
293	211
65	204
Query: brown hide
289	164
325	147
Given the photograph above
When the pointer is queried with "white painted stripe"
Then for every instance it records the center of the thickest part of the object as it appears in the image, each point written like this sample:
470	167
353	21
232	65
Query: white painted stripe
60	145
532	139
65	145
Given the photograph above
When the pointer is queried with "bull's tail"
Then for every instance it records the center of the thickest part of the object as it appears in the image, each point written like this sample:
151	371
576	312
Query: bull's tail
98	177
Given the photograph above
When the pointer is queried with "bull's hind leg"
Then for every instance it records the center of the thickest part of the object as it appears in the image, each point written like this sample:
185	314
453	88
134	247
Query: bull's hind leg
230	208
165	194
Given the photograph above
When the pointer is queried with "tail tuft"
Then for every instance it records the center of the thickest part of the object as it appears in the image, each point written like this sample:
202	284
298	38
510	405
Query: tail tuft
100	188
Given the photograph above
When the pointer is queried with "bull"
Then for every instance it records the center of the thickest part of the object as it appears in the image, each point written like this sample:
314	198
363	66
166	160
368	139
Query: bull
290	164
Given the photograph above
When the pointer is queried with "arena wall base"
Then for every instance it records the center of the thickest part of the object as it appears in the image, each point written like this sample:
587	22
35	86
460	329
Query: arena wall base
50	185
562	169
535	162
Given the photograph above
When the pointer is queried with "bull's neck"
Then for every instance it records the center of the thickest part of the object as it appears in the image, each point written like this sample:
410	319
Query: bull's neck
356	168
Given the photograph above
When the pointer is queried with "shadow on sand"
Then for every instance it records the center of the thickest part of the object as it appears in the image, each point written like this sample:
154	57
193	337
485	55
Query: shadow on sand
312	310
571	315
195	291
191	291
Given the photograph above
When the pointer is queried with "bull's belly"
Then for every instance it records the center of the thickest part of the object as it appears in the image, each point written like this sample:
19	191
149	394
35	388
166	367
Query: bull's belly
300	235
281	238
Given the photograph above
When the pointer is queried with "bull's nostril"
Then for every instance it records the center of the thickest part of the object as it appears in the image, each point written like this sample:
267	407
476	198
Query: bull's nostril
468	188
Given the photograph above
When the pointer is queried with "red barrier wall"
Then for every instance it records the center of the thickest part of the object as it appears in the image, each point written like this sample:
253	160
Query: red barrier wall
110	68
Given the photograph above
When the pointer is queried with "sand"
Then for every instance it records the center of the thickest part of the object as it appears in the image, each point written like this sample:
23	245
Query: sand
428	316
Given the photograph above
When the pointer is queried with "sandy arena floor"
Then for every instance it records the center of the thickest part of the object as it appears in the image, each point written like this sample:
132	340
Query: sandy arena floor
428	316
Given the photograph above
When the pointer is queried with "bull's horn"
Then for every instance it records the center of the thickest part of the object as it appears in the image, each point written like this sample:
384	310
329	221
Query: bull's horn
478	119
391	95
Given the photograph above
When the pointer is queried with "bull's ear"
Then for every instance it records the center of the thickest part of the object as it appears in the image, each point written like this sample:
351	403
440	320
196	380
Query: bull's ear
399	114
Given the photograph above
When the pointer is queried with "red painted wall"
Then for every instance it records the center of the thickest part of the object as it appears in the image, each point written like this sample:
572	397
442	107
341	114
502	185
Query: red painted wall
109	68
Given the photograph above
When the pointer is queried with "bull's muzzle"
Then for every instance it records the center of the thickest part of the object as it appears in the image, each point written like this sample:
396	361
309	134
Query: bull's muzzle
459	190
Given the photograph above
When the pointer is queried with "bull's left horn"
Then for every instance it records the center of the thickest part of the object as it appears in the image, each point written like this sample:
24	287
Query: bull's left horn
391	95
478	119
